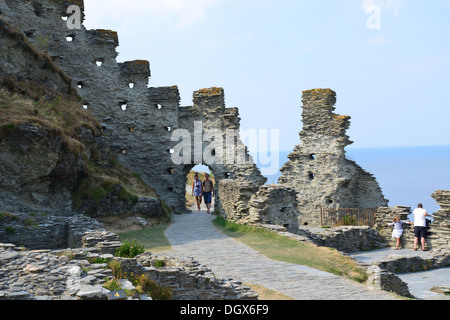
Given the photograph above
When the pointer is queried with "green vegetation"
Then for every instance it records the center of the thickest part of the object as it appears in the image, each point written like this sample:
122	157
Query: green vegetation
6	216
31	103
9	229
103	180
280	248
153	239
142	284
130	249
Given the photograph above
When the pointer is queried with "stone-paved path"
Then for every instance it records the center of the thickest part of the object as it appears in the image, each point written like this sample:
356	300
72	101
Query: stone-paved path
193	235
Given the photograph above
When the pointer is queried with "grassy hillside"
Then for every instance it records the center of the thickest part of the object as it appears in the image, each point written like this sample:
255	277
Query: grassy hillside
64	116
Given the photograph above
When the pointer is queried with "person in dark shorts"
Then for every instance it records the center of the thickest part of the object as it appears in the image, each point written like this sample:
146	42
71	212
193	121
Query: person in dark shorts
208	192
420	226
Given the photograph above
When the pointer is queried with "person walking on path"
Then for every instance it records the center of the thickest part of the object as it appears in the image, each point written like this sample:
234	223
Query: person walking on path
398	230
208	192
197	190
420	226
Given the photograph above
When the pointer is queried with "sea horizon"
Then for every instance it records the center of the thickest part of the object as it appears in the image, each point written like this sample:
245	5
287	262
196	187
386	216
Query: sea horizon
407	175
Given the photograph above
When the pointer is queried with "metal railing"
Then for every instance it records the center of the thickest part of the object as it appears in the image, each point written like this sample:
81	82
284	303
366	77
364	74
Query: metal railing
334	217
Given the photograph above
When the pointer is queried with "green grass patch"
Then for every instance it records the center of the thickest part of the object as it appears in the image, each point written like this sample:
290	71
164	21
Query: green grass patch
153	239
281	248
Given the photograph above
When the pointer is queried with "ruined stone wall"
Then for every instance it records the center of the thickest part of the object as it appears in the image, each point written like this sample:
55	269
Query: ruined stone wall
318	168
440	227
38	231
71	274
438	234
137	120
248	203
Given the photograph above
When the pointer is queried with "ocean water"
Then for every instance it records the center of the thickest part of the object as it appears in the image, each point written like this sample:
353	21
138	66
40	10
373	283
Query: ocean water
406	175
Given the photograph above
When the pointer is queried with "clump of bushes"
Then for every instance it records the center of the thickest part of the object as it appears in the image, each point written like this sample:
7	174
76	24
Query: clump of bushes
130	249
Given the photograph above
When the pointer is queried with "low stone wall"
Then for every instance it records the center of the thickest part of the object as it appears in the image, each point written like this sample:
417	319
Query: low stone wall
36	231
235	199
440	227
382	274
248	203
71	274
190	280
275	205
438	234
352	239
386	215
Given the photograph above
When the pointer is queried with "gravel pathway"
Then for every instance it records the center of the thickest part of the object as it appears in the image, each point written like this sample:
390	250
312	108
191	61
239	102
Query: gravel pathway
193	235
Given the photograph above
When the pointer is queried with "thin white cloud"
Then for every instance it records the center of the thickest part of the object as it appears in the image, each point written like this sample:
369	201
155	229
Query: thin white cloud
385	5
218	43
182	12
377	41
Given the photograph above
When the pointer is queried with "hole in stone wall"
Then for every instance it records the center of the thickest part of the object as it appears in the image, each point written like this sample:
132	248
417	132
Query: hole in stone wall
70	38
85	106
131	129
99	62
64	18
80	84
171	189
312	156
131	85
124	151
312	175
169	129
158	106
170	171
171	151
227	175
124	106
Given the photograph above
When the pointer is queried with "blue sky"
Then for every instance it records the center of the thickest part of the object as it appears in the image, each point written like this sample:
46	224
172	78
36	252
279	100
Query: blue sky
394	82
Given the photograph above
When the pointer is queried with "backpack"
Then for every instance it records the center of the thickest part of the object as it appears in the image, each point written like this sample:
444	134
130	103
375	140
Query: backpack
210	187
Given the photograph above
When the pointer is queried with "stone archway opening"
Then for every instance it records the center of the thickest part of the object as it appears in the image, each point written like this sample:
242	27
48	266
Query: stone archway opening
201	170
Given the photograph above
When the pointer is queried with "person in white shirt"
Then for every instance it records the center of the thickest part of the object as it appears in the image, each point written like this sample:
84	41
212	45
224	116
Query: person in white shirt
420	226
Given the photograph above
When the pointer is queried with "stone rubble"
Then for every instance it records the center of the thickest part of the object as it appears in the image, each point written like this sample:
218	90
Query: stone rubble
68	275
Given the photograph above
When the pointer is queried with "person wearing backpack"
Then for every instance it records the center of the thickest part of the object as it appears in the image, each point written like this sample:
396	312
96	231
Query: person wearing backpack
208	192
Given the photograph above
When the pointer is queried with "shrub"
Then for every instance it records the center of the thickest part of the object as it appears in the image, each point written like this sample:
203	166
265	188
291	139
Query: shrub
116	268
130	249
5	216
9	230
348	221
150	287
160	263
112	285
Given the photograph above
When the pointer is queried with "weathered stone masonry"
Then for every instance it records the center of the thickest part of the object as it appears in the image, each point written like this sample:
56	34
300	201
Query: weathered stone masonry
137	120
318	169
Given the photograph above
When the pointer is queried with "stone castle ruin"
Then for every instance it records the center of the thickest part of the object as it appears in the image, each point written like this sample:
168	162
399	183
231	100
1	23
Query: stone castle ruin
136	124
318	169
137	120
